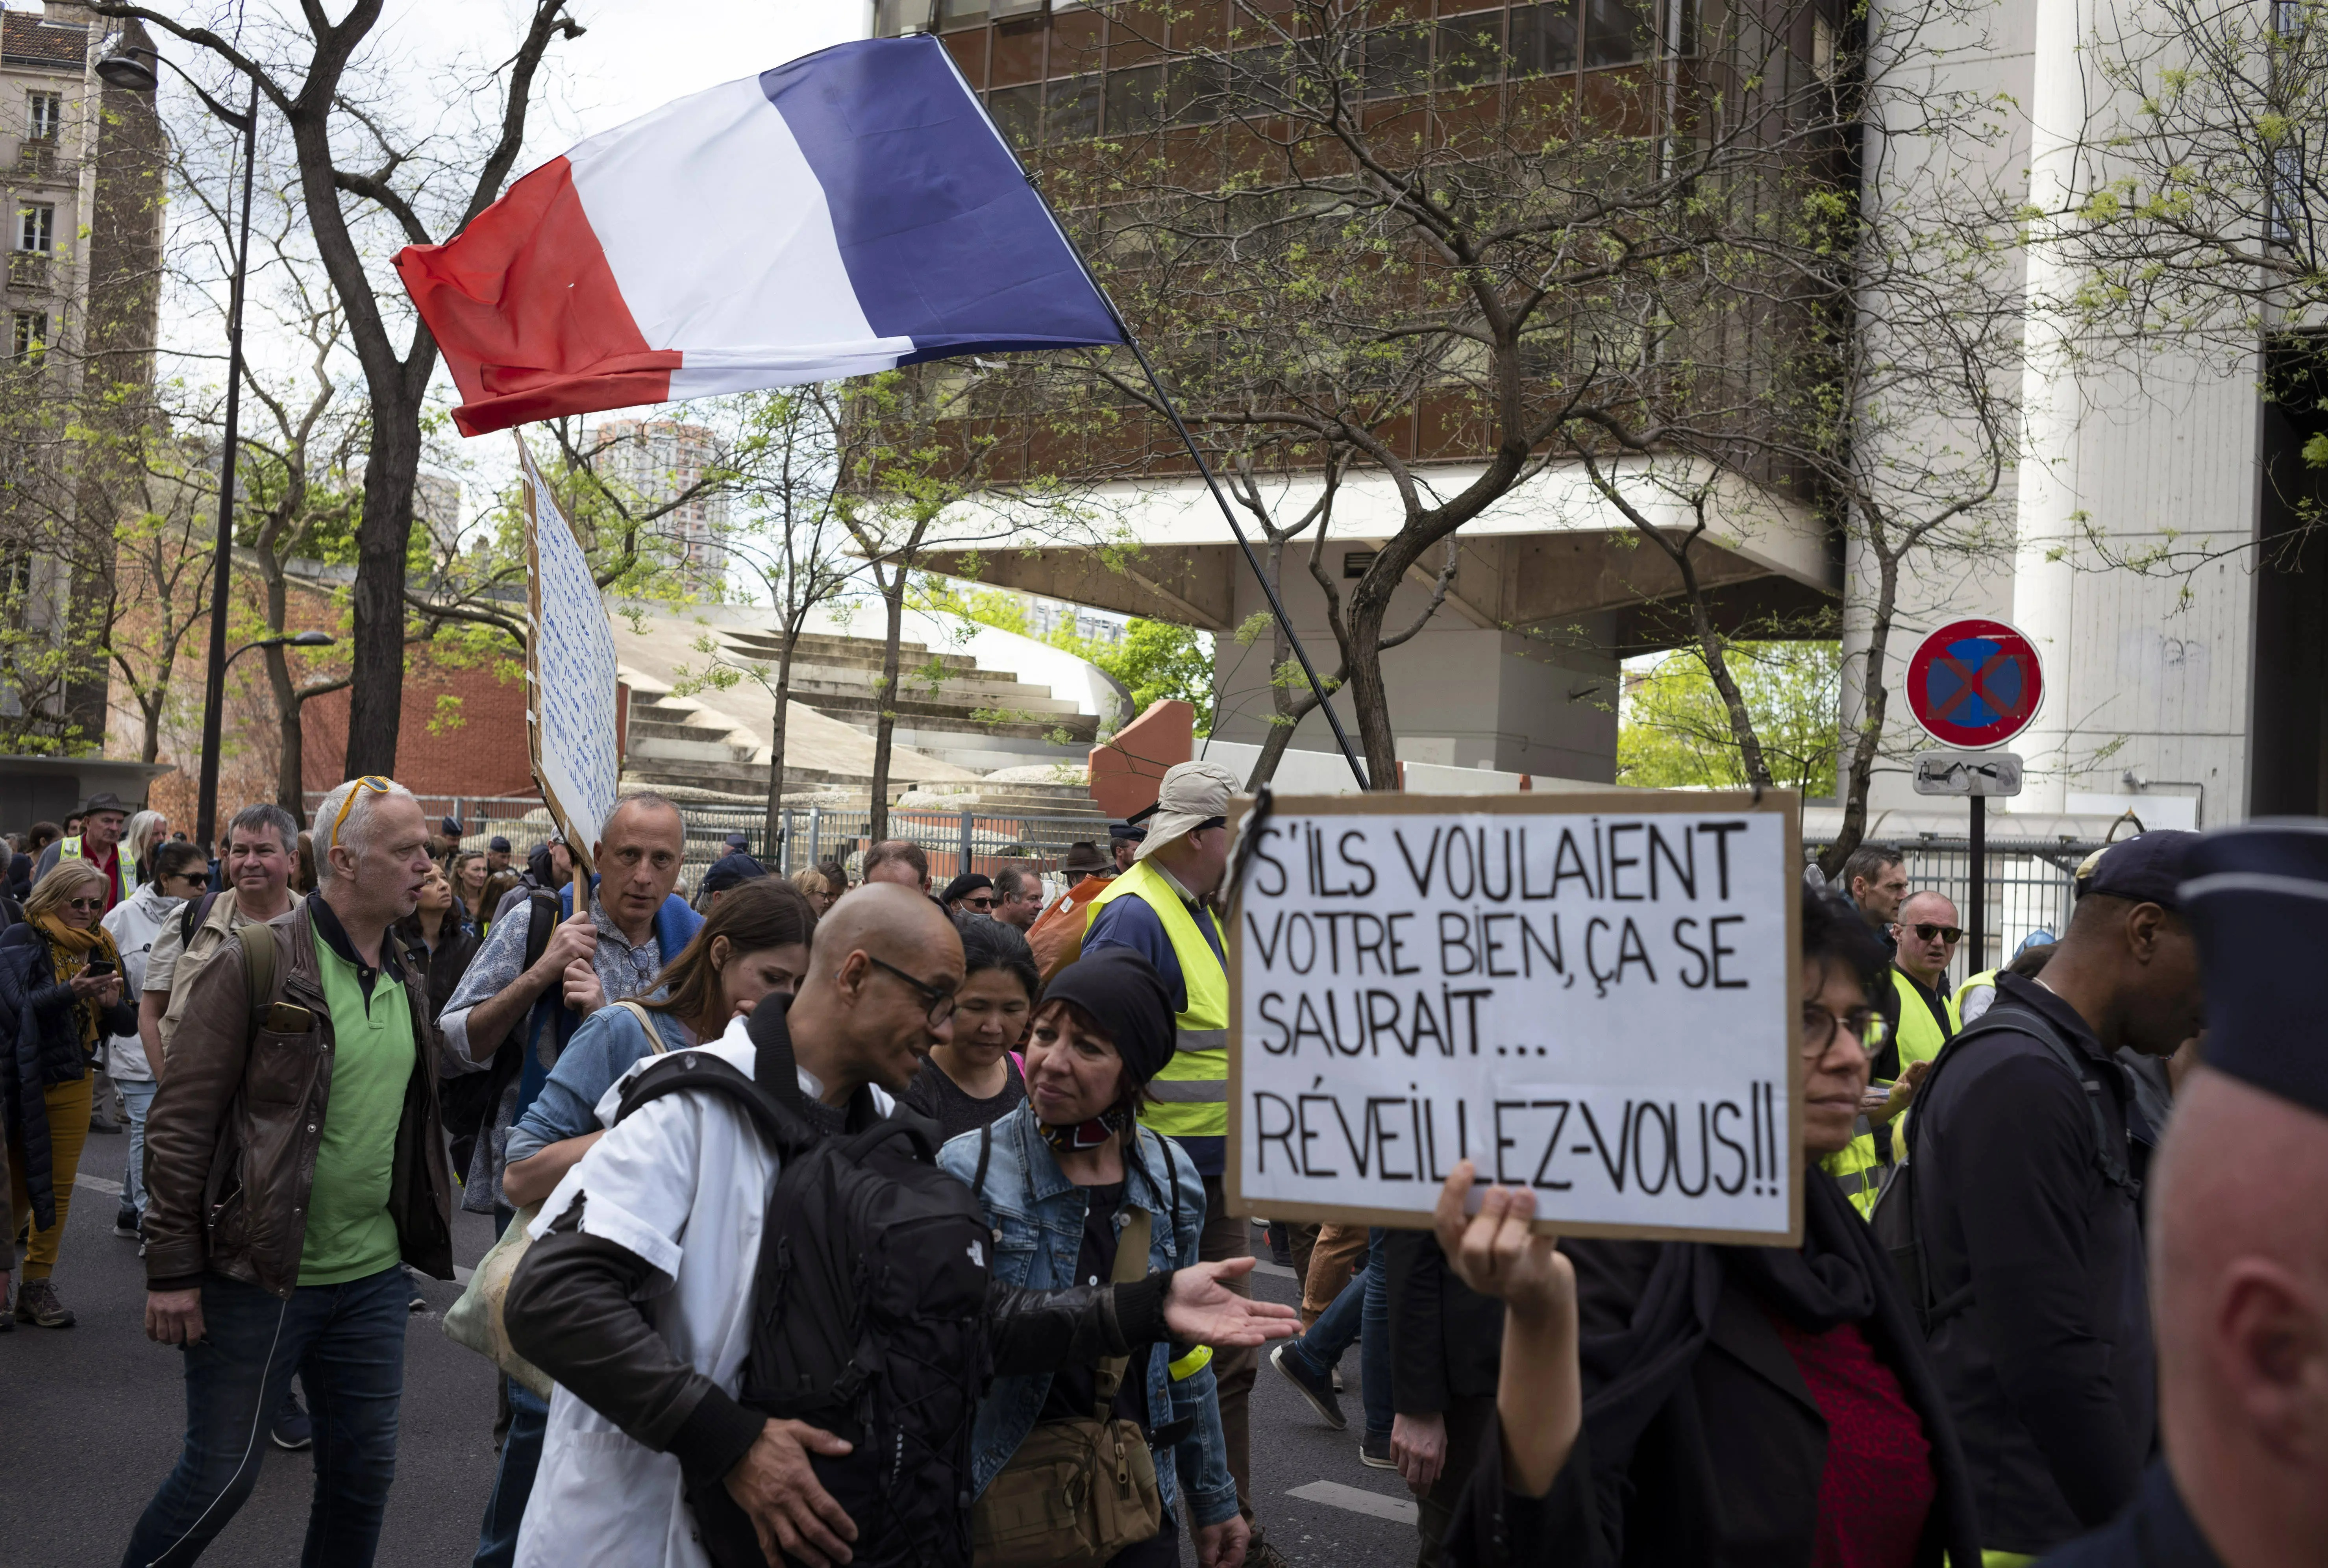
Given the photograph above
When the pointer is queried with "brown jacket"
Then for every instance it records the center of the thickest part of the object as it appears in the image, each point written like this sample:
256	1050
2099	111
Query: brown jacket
231	1137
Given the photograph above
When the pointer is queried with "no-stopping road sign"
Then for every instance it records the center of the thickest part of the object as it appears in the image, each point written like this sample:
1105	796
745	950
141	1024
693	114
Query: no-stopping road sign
1975	684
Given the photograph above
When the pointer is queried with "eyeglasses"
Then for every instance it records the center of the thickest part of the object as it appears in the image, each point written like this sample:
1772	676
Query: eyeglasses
1925	931
939	998
369	781
84	903
1819	1024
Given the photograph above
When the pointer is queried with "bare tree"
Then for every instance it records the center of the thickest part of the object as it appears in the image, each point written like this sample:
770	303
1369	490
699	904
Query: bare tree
366	174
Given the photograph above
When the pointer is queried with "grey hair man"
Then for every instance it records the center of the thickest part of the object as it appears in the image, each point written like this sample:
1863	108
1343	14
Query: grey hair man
295	1161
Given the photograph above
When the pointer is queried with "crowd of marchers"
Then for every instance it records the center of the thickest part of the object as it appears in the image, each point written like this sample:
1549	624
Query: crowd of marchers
845	1219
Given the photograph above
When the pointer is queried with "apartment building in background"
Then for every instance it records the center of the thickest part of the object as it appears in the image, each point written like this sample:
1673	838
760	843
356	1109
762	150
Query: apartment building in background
659	460
82	164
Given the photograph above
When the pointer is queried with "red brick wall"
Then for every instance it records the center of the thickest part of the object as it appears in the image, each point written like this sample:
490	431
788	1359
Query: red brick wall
478	749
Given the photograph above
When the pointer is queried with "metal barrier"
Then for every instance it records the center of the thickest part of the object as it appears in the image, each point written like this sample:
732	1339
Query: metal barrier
2029	886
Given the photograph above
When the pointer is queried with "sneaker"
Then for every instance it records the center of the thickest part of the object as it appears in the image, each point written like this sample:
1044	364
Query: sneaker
124	1224
1318	1391
37	1303
7	1313
419	1304
1280	1247
1374	1452
100	1121
1338	1380
291	1428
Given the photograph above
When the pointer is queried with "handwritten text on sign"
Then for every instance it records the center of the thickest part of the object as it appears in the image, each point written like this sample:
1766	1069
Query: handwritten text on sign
571	663
1591	1004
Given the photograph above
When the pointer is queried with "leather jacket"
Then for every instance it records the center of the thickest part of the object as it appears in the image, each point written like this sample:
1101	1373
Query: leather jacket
232	1138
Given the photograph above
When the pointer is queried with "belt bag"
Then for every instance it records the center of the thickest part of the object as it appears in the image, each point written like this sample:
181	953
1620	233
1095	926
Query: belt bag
1076	1491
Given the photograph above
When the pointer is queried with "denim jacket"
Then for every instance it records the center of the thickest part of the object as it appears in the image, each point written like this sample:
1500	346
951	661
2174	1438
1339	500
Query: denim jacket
1037	1215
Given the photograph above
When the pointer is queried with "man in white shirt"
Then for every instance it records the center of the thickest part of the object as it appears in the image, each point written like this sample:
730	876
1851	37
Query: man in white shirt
640	1303
175	874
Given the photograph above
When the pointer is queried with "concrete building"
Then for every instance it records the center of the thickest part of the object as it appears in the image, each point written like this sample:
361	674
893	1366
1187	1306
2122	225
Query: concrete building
82	166
661	459
2192	697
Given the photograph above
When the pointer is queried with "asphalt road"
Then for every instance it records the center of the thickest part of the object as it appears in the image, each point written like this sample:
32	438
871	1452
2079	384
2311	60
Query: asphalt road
90	1418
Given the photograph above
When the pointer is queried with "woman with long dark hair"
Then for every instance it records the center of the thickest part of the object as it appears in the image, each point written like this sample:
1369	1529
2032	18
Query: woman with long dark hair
438	939
1679	1402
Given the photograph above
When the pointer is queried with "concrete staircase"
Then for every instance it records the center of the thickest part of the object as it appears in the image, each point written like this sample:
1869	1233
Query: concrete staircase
947	707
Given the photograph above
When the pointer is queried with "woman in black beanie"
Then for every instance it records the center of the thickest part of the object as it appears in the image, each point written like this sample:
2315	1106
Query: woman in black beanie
1062	1180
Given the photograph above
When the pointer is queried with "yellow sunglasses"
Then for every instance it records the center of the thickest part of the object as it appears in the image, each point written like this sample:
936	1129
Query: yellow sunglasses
369	781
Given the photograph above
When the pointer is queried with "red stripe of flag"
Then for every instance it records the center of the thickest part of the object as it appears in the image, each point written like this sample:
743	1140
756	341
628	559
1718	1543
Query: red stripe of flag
529	316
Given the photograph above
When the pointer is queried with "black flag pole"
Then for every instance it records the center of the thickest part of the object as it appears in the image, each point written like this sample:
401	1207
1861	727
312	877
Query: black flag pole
1276	605
1180	428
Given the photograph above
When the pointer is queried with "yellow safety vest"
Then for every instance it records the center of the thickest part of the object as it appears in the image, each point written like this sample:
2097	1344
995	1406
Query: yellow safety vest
1985	980
124	864
1192	1091
1857	1166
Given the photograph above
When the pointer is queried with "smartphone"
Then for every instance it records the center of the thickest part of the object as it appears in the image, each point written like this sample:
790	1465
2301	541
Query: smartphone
98	966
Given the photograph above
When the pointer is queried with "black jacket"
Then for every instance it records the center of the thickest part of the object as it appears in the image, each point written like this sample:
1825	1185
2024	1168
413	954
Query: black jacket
1446	1339
2049	1369
1702	1444
45	1047
441	971
2156	1532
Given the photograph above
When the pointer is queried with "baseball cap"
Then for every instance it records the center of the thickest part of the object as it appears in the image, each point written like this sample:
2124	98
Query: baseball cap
2147	868
730	871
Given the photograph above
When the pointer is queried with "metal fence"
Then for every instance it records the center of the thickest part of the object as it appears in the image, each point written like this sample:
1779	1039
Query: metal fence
955	841
2028	885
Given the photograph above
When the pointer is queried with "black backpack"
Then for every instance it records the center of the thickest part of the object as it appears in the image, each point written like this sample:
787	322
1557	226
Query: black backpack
466	1103
1894	1221
868	1314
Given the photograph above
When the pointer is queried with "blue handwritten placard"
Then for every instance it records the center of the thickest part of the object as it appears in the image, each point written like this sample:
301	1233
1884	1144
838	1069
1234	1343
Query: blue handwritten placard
570	670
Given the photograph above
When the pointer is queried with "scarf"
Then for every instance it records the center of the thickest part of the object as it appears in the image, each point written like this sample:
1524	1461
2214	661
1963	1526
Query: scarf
1823	1283
69	951
1109	1124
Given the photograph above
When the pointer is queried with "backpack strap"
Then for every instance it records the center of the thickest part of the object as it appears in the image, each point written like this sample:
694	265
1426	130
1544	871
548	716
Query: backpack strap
191	917
258	968
985	1149
699	1072
1131	1244
541	920
647	1022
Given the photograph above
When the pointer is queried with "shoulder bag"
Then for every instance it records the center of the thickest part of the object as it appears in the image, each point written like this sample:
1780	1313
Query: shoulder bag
475	1320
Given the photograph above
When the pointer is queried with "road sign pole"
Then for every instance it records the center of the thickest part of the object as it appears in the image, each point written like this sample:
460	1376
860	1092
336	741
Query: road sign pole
1977	918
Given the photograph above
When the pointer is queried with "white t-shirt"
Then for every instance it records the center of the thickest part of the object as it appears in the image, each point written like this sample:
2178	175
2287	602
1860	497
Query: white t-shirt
684	1183
135	923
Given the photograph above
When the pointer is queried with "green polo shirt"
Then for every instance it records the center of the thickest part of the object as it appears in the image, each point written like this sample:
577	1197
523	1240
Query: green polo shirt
350	1232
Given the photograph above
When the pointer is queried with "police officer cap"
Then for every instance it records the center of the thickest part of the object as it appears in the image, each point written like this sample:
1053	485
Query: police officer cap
2258	899
498	844
2147	868
731	871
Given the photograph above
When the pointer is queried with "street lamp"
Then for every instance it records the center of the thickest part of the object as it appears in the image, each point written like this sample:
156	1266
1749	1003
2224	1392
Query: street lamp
286	640
131	66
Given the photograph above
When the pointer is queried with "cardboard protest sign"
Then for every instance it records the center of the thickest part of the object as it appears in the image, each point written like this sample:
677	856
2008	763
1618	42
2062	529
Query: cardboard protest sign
1592	995
570	671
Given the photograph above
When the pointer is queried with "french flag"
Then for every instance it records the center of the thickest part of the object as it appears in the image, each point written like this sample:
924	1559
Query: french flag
849	211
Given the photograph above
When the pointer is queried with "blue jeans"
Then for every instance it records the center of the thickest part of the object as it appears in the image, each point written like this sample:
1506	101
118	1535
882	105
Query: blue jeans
514	1483
136	1095
1362	1313
346	1342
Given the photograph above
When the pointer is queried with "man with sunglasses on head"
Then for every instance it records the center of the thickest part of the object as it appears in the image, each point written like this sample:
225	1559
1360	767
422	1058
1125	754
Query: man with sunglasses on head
2027	1213
295	1161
